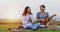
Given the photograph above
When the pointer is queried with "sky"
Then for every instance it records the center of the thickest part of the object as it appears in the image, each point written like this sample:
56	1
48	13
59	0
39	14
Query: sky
13	9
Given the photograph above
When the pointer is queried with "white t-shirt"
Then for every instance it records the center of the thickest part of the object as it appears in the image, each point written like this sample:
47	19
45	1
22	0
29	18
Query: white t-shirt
25	20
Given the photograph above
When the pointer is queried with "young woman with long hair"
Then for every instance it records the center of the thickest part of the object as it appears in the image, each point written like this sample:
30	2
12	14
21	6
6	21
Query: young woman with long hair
28	19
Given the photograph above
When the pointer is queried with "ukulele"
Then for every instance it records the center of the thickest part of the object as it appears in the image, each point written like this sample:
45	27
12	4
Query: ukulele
45	21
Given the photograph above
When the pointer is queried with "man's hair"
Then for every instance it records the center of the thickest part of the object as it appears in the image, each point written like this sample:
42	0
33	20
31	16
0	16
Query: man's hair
43	6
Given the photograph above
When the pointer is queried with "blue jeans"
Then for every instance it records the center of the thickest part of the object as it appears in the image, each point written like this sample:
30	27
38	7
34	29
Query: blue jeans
33	26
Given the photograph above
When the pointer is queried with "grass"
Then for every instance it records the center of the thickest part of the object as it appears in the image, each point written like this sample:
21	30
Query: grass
4	28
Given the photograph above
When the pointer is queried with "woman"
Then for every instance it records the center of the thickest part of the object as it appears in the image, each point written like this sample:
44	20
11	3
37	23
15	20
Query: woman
28	19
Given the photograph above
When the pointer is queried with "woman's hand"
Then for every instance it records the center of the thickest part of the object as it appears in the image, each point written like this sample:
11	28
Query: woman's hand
29	20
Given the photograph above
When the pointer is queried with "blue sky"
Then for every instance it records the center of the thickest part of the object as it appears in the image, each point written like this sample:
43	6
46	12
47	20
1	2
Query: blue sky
13	9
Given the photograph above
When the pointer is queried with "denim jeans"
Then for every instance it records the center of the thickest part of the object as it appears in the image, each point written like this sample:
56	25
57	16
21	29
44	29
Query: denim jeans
32	26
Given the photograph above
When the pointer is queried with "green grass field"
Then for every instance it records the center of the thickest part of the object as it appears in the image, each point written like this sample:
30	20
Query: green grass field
4	28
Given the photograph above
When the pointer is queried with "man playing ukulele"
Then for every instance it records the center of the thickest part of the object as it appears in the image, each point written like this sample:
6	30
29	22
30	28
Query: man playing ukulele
43	17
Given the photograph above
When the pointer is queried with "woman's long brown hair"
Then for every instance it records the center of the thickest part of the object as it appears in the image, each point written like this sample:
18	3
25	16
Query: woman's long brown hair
25	11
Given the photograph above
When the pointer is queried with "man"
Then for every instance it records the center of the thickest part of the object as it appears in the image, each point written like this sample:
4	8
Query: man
43	17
